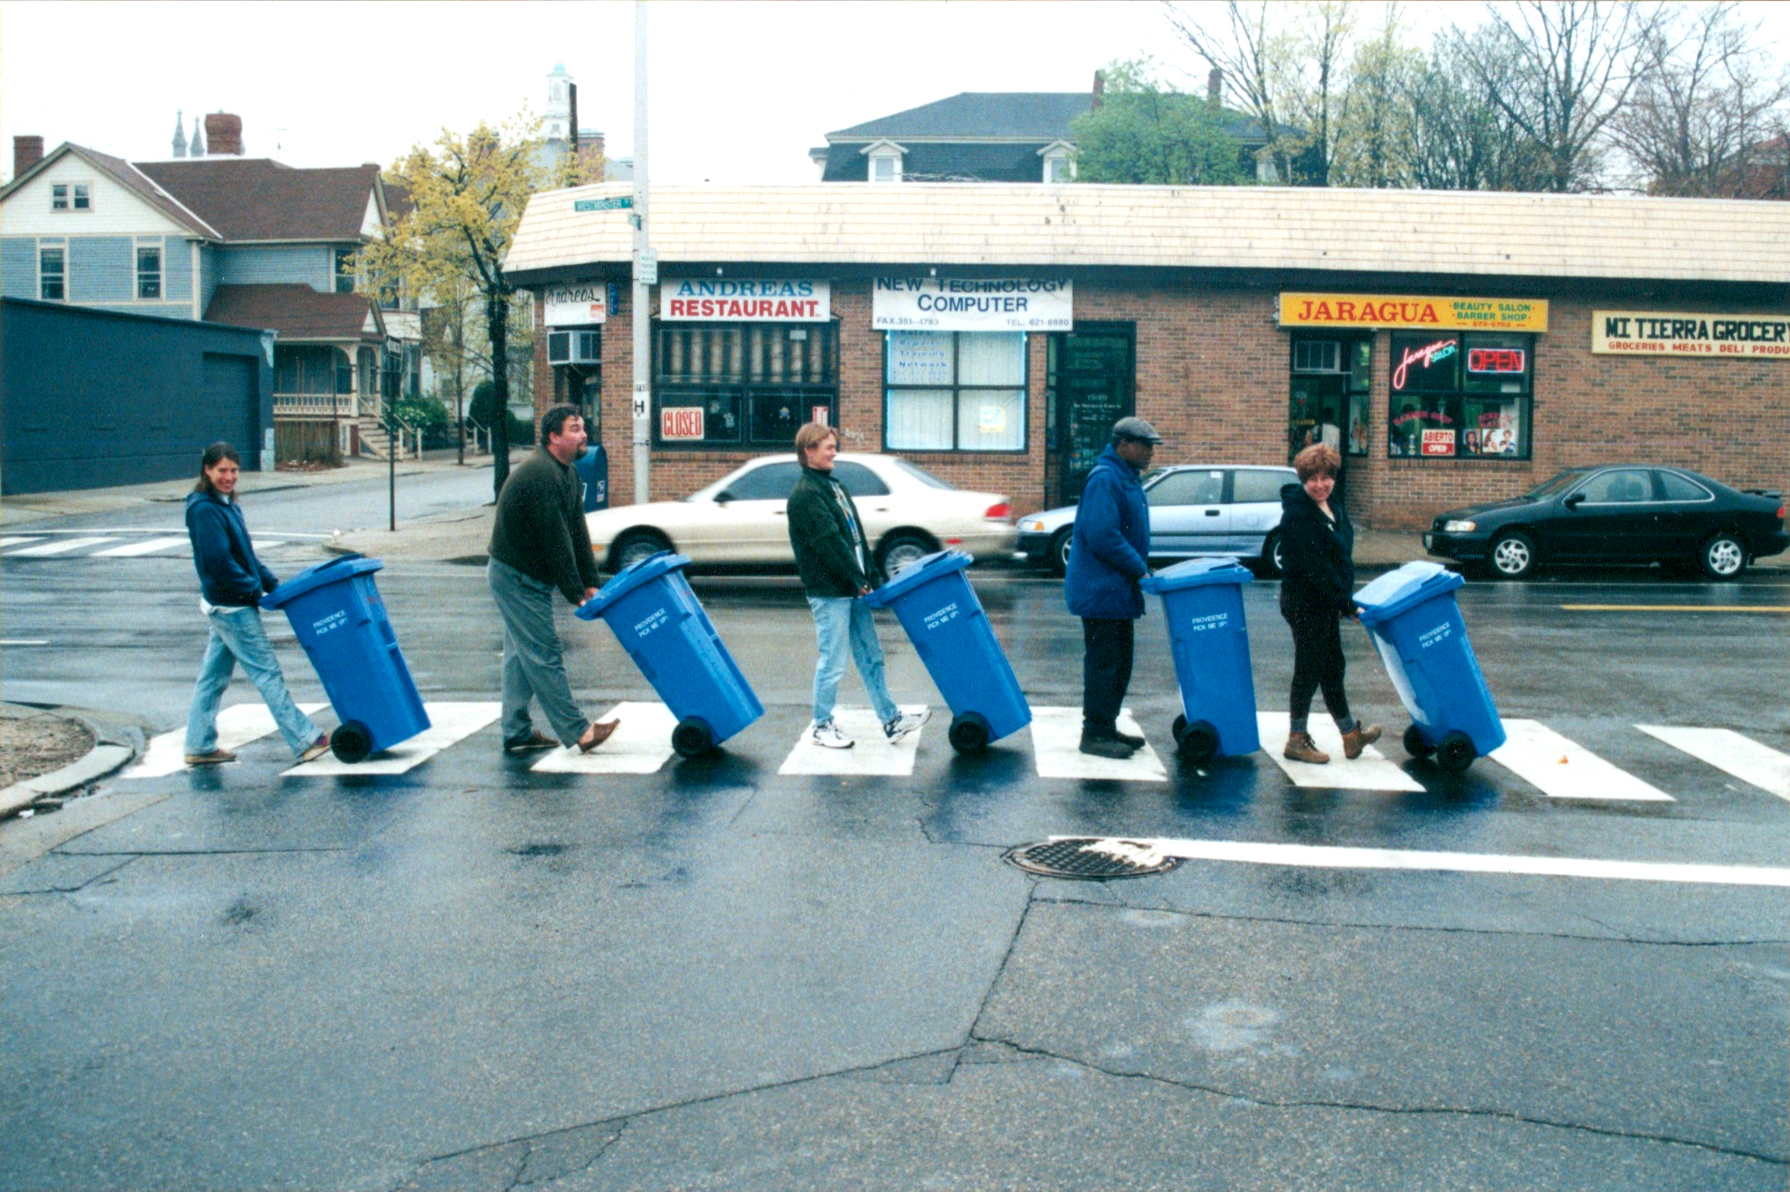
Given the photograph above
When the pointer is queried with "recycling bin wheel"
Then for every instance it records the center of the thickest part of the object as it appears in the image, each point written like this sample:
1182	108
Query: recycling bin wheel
1197	741
1456	752
969	732
693	737
1416	744
351	742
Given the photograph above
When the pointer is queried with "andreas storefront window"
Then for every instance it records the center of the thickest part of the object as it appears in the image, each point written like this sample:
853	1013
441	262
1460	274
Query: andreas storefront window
1460	394
730	386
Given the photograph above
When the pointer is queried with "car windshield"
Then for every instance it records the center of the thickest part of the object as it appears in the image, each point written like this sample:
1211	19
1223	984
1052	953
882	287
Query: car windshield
923	476
1559	483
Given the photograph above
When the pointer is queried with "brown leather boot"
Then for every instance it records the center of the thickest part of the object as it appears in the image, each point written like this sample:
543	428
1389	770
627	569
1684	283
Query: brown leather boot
1358	738
1301	748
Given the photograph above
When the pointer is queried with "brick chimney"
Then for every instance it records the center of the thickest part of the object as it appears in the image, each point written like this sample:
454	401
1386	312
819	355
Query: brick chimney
1099	91
223	135
26	152
1215	86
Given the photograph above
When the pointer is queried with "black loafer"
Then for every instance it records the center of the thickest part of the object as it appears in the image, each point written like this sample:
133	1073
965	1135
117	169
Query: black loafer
533	743
1106	747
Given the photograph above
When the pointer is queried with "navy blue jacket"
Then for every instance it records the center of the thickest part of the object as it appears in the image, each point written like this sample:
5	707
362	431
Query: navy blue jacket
1319	572
1109	549
229	573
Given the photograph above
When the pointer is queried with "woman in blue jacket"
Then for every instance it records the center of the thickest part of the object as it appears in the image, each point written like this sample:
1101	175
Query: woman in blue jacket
231	583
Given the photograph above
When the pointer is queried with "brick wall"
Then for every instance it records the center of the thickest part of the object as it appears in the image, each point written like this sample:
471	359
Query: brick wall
1213	374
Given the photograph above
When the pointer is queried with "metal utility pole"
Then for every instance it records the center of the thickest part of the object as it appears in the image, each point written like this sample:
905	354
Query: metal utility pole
646	275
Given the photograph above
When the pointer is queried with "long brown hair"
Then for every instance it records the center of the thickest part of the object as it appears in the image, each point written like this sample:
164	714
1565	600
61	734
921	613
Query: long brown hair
219	450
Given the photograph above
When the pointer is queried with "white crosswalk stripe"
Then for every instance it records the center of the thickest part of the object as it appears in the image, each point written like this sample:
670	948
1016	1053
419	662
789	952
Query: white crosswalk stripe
148	546
1755	764
1563	769
17	540
1056	750
1372	771
641	744
238	725
872	755
60	546
449	722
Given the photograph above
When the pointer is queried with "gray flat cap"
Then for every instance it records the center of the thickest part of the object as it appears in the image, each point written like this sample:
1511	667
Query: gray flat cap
1135	428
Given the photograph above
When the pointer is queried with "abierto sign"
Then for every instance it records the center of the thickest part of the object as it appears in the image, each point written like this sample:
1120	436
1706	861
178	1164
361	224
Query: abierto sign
1690	333
745	300
973	304
1418	312
575	306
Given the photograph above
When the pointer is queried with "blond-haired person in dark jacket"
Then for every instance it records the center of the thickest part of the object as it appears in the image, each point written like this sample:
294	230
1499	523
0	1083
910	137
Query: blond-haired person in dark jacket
833	559
1316	592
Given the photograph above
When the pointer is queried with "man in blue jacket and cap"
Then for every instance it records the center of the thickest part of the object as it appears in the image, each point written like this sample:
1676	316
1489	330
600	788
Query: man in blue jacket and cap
1109	552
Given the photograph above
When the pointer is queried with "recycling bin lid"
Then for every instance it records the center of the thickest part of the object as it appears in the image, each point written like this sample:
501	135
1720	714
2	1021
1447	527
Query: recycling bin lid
1399	590
1195	572
311	578
646	571
921	570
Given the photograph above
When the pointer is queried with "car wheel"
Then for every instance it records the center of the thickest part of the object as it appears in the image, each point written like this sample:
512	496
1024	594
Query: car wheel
1513	556
1722	557
635	546
1058	554
898	550
1272	557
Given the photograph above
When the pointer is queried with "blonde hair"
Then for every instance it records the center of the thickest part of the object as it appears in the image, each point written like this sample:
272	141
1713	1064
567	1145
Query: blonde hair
1319	457
812	435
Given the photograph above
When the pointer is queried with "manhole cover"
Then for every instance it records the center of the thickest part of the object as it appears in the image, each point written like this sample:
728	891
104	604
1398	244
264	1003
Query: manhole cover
1090	859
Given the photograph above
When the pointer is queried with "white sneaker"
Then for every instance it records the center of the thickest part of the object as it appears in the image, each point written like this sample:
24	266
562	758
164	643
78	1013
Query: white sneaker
905	723
828	736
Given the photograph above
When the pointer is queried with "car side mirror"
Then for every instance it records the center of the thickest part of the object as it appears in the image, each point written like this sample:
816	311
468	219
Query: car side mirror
1574	501
724	496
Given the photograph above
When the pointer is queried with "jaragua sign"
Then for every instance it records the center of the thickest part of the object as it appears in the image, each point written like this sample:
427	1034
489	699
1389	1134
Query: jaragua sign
1672	333
1423	313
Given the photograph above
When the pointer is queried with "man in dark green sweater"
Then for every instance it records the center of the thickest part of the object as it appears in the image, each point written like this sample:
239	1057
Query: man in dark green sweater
833	560
539	543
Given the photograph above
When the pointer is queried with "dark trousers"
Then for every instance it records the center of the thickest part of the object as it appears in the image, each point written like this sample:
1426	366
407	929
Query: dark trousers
1105	673
1317	661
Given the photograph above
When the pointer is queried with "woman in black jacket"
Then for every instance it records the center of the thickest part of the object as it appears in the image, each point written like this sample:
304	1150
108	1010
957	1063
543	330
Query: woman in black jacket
1317	591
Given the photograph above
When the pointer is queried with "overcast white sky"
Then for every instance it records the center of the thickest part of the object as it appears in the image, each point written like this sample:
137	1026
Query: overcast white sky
740	89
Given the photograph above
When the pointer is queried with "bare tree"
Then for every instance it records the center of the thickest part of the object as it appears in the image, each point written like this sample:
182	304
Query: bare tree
1248	53
1376	132
1702	120
1560	70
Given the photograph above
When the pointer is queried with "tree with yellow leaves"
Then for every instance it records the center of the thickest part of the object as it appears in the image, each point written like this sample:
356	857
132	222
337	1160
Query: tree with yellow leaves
469	191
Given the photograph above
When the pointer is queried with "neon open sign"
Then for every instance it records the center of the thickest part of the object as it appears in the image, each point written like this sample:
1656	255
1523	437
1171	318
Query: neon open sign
1496	360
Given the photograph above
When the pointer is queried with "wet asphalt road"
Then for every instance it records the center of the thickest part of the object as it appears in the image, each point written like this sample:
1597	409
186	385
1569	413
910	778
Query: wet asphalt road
716	976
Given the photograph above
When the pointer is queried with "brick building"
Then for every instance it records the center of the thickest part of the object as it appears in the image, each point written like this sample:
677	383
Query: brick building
1456	346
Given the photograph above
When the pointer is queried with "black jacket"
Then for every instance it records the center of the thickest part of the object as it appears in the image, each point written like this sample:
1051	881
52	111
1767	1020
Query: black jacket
827	556
1318	571
539	528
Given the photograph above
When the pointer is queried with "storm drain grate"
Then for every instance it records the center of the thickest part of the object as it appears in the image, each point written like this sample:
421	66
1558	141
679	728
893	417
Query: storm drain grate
1090	859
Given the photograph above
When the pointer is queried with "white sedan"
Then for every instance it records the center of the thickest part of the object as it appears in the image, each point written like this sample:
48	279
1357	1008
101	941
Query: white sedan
741	519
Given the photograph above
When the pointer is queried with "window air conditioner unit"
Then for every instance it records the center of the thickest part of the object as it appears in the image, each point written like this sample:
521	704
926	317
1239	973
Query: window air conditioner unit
574	347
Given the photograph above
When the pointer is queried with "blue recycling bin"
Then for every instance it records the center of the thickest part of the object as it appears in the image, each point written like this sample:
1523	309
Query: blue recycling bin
1202	604
663	627
935	604
1414	622
340	621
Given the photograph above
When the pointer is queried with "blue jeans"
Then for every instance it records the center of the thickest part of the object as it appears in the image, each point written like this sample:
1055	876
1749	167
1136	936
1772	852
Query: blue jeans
837	621
238	636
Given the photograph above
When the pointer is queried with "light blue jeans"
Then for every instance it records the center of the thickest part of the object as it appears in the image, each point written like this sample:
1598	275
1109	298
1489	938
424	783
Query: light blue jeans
839	622
238	636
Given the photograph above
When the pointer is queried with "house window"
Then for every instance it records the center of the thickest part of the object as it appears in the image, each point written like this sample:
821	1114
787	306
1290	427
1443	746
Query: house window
345	270
66	196
885	167
52	274
955	391
149	273
1457	394
729	386
1057	168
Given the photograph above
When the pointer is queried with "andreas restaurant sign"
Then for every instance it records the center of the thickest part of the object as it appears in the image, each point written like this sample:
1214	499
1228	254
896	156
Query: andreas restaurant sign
1413	311
745	300
1673	333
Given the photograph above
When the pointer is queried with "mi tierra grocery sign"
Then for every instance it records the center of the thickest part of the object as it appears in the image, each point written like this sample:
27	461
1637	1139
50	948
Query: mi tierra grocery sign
1416	311
1676	333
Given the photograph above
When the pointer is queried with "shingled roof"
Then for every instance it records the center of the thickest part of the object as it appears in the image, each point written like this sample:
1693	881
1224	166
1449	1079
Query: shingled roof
297	312
256	198
1009	115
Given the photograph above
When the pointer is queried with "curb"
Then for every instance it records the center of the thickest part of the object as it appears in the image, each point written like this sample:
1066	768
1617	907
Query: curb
117	740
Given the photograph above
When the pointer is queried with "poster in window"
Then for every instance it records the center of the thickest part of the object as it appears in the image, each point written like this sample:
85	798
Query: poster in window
920	358
1438	442
681	422
1358	424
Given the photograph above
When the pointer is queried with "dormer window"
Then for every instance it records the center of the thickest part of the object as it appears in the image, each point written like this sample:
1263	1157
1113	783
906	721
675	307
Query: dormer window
885	161
1059	162
70	196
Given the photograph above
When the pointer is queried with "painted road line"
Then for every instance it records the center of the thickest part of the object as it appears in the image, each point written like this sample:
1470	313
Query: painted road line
1332	857
6	542
872	755
55	548
1563	769
1372	771
1056	750
1677	608
449	722
132	549
640	744
238	725
1728	751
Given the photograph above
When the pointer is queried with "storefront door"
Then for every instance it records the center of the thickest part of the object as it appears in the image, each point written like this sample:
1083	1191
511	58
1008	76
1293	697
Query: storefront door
1092	386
